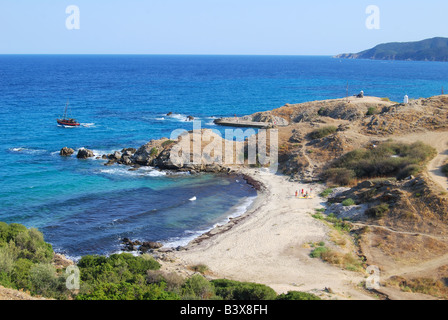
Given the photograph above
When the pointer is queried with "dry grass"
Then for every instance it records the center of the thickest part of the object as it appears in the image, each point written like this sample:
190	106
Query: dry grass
347	261
201	268
430	286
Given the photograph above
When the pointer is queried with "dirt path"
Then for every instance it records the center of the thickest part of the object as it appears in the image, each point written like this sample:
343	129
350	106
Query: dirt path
438	140
444	238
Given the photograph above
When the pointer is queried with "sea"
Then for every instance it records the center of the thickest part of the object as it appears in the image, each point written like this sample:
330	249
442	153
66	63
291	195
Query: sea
83	207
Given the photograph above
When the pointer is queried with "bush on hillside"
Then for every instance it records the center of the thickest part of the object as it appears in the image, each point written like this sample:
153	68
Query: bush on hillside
297	295
389	159
323	132
234	290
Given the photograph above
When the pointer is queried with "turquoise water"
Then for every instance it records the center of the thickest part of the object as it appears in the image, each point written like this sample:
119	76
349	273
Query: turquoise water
121	101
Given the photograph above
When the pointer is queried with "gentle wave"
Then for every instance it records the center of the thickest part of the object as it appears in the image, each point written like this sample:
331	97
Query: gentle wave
124	171
27	150
237	211
88	125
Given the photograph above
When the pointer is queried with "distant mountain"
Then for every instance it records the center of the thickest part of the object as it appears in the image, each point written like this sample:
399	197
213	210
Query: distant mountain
435	49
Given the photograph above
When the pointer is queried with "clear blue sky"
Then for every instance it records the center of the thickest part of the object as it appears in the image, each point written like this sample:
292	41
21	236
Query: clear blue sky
292	27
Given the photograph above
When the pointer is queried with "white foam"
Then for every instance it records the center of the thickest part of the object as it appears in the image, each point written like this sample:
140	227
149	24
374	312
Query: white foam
88	125
178	117
236	211
97	153
26	150
124	171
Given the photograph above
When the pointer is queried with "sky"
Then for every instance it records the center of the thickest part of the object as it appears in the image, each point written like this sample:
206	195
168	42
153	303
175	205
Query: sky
259	27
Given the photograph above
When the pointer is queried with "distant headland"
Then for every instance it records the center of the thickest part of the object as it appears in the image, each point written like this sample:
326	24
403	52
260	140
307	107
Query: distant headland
435	49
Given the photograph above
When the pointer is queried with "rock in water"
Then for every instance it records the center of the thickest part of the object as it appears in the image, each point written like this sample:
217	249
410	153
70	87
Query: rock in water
84	154
150	245
66	152
129	151
116	155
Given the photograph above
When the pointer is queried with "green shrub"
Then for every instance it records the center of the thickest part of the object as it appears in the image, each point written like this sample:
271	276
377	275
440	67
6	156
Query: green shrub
389	159
201	268
410	170
197	287
297	295
340	176
235	290
167	143
348	202
323	132
44	280
154	152
128	291
317	253
6	259
25	261
326	193
173	281
116	268
372	110
378	211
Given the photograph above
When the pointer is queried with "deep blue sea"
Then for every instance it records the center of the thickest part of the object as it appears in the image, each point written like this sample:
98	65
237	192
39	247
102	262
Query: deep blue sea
83	207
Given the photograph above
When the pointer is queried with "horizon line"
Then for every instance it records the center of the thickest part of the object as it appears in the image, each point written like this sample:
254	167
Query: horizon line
167	54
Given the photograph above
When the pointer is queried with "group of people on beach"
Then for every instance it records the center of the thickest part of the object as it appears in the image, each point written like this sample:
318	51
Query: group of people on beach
304	194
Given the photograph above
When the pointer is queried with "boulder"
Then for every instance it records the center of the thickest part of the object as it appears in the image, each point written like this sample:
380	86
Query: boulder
66	152
116	155
150	245
147	153
85	153
110	162
126	160
128	150
297	136
214	168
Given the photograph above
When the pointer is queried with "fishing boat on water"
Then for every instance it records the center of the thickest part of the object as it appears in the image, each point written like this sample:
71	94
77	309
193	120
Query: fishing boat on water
66	121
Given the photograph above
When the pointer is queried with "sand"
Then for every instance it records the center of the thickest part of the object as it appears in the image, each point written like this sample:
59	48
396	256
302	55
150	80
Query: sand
269	244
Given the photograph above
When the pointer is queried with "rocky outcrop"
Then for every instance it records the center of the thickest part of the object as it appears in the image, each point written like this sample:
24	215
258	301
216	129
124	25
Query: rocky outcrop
147	153
417	115
66	152
85	153
142	247
257	120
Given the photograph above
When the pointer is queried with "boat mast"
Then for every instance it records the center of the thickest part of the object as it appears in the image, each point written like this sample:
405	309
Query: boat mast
65	112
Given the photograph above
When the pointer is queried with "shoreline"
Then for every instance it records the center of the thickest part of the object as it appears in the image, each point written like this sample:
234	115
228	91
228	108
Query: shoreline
253	207
268	244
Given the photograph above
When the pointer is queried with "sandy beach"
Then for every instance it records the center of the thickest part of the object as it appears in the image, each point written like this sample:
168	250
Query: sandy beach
269	244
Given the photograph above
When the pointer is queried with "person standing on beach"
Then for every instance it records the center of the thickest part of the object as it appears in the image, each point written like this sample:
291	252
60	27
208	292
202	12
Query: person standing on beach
297	193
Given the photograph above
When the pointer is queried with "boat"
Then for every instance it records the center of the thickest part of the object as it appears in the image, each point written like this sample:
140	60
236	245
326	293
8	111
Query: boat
65	121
